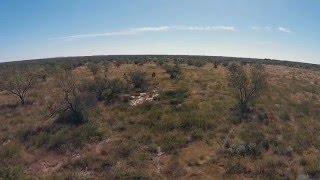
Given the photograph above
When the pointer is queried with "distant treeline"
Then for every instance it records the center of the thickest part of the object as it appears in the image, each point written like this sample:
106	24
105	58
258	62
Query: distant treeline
81	60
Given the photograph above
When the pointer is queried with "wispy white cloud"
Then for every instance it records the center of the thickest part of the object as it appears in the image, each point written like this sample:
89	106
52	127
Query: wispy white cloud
259	28
285	30
269	28
135	31
151	29
206	28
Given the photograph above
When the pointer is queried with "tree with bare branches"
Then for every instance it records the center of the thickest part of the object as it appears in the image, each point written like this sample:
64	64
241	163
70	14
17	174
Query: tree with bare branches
247	86
19	83
71	101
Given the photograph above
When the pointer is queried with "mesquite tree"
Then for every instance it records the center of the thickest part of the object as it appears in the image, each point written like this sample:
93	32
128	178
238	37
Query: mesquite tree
71	100
247	86
19	83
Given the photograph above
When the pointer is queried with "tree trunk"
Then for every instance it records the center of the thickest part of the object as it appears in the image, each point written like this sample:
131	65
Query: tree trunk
22	100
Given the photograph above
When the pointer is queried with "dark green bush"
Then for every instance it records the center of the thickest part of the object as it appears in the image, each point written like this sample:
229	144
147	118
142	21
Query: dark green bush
174	71
93	67
72	138
113	89
197	63
138	80
173	141
60	137
190	119
11	172
73	102
175	97
77	109
9	151
247	88
106	89
236	168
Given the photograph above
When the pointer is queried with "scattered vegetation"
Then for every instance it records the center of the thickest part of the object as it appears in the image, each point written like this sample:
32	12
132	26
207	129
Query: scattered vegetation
187	131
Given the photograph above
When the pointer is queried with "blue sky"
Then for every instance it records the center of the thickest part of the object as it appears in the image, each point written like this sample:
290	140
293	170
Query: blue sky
280	29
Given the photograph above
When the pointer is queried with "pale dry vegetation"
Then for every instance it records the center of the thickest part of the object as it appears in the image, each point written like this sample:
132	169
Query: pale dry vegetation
211	120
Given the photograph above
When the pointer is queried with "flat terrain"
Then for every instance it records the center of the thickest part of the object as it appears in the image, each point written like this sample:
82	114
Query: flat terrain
180	133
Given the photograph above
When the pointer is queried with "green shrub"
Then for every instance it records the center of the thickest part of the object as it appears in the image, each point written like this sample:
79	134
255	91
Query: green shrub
271	168
41	139
71	138
312	163
106	89
126	147
235	167
9	151
190	120
113	90
93	67
243	150
252	135
62	138
163	123
197	134
197	63
174	71
247	88
11	172
73	102
138	80
175	97
284	115
173	141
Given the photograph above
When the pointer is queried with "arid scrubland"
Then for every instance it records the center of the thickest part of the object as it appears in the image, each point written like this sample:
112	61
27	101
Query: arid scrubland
203	120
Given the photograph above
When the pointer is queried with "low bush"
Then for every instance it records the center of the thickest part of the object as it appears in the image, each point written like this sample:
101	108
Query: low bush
72	101
138	80
11	172
197	63
114	89
174	71
93	67
106	89
172	142
311	163
69	139
251	135
175	169
175	97
271	168
9	151
61	138
247	88
235	167
243	150
125	148
190	120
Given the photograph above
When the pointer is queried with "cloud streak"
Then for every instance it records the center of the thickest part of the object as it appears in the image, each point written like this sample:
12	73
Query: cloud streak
206	28
285	30
269	28
135	31
258	28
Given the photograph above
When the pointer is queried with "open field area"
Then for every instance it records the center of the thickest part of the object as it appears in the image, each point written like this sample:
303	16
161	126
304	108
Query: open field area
158	117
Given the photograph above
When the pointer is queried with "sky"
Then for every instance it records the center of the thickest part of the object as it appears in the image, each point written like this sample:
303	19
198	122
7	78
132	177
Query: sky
277	29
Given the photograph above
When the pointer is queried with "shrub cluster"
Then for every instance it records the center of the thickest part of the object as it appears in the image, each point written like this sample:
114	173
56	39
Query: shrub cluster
138	80
106	89
174	71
